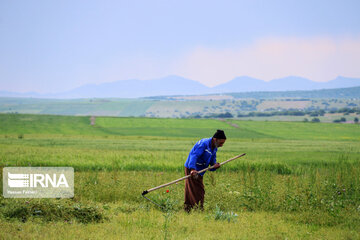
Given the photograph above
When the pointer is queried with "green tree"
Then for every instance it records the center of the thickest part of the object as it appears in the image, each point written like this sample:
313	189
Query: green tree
315	120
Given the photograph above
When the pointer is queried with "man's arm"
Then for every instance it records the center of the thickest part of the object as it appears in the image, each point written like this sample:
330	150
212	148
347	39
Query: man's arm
194	156
215	164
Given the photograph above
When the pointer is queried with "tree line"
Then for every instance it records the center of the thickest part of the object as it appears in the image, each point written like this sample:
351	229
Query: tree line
314	113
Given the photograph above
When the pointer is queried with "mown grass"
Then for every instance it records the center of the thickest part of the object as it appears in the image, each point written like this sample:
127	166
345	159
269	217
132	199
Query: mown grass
291	184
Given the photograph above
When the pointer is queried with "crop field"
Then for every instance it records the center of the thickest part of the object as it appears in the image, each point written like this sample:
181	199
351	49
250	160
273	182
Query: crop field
179	107
298	180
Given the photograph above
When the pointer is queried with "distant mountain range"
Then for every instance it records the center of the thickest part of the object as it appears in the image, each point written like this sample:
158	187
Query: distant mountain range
175	85
292	83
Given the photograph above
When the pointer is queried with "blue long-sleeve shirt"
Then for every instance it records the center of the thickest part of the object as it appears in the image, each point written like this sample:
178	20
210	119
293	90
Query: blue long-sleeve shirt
201	156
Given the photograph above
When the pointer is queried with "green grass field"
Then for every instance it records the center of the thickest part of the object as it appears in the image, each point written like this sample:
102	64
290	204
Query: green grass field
297	181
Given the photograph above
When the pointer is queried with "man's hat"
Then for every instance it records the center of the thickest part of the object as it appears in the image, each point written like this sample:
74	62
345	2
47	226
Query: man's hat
219	134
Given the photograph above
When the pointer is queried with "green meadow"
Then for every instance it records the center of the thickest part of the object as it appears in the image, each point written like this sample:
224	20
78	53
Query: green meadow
298	180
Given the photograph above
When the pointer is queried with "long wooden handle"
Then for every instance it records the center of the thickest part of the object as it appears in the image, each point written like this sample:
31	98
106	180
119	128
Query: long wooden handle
187	176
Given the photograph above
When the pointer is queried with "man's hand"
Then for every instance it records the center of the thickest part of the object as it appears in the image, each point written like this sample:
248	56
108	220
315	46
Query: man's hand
194	173
216	165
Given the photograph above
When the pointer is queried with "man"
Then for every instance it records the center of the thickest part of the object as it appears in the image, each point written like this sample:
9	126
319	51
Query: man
200	157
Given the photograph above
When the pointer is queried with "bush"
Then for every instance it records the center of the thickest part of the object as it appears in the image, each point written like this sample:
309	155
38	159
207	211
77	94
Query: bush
220	115
225	115
221	215
315	120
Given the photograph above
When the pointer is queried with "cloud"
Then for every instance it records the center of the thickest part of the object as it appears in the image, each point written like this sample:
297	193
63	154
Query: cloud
319	59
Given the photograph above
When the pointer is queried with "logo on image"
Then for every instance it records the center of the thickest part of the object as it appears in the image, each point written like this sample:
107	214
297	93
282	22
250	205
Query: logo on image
33	182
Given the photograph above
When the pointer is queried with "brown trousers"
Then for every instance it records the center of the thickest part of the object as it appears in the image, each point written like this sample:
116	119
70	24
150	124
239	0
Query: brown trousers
194	192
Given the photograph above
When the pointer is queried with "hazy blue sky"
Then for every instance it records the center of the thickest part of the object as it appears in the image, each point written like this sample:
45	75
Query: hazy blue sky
52	46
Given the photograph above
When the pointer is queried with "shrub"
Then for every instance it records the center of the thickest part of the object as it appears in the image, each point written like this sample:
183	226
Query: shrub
315	120
221	215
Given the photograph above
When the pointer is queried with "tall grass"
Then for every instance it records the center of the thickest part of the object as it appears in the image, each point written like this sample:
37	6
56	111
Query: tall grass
306	184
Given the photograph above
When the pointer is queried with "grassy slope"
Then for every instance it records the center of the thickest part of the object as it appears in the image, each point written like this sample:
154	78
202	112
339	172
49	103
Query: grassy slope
38	124
48	124
107	107
304	131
